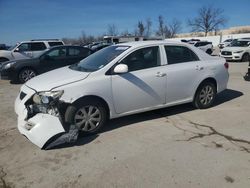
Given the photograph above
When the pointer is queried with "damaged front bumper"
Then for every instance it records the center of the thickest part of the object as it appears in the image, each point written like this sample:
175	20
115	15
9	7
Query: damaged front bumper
37	127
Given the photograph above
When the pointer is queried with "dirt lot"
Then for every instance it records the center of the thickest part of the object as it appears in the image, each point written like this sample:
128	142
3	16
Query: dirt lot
173	147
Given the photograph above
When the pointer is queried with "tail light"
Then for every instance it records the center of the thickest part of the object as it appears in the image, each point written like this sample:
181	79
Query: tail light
226	65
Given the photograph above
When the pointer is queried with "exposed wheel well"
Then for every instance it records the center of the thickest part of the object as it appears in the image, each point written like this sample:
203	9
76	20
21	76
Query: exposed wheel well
93	97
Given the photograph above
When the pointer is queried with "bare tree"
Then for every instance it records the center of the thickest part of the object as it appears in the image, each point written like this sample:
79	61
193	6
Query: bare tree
112	30
141	28
148	26
125	33
174	28
163	29
208	19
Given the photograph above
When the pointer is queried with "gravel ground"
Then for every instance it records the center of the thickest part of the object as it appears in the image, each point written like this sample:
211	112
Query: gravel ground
173	147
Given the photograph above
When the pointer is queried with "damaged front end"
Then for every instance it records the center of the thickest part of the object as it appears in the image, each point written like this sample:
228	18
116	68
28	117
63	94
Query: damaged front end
40	116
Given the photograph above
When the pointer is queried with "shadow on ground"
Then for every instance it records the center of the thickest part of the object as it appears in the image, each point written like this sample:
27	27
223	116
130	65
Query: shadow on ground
223	97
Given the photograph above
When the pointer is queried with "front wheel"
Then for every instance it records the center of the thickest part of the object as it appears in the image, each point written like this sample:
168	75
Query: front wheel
26	74
245	57
88	116
205	95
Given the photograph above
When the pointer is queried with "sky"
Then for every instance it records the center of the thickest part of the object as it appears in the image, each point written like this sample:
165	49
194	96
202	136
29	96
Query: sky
31	19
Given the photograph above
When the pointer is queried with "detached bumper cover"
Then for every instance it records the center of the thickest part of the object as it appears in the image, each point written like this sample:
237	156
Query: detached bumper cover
41	127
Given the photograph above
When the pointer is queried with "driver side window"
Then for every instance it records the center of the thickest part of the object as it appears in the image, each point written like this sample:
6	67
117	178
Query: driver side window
143	59
24	47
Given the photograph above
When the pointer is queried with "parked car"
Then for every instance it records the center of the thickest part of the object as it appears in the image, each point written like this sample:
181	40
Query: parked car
24	69
238	50
28	49
205	46
225	43
116	81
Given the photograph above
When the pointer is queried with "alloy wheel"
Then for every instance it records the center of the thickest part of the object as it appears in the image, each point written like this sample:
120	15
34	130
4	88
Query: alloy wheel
206	95
26	75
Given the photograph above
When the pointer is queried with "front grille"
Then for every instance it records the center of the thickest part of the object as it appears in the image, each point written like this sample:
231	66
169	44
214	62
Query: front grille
226	53
22	95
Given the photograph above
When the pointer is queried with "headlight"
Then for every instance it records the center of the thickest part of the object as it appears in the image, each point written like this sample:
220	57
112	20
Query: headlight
47	96
238	52
7	66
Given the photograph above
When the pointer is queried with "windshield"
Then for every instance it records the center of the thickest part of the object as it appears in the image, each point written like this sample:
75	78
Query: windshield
237	43
99	59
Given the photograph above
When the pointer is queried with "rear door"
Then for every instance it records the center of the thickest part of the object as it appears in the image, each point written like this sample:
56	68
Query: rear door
184	70
144	86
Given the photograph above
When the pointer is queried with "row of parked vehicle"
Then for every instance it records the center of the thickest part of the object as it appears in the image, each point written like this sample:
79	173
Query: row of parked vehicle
236	49
30	58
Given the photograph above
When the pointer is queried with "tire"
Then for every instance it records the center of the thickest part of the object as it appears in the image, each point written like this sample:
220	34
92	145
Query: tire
205	95
209	51
26	74
245	57
89	116
3	59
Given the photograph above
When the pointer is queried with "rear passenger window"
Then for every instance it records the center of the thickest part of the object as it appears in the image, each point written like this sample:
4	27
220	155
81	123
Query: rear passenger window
37	46
55	44
74	52
180	54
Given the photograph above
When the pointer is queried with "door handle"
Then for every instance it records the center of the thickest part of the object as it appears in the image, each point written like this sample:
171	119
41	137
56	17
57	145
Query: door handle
160	74
199	67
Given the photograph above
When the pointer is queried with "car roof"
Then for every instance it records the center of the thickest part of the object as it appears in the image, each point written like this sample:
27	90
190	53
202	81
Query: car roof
145	43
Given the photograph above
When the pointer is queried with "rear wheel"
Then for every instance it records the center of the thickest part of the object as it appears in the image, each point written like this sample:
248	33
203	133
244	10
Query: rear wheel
205	95
245	57
26	74
209	51
88	116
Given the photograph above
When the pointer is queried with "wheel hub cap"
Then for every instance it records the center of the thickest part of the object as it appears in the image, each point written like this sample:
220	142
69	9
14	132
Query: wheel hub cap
87	118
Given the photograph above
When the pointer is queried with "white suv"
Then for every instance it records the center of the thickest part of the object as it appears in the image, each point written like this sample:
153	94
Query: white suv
28	49
119	80
238	50
205	46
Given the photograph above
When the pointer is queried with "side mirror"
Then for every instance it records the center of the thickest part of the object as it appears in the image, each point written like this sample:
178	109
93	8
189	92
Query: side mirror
121	68
17	50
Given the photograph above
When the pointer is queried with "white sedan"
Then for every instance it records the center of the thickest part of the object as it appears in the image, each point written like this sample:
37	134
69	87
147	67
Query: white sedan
119	80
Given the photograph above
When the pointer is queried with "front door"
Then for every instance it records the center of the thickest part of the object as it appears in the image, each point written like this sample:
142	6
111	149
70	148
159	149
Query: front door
144	86
53	59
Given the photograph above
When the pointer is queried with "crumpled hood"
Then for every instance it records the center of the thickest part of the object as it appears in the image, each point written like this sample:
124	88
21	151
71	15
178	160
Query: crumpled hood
56	78
234	49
